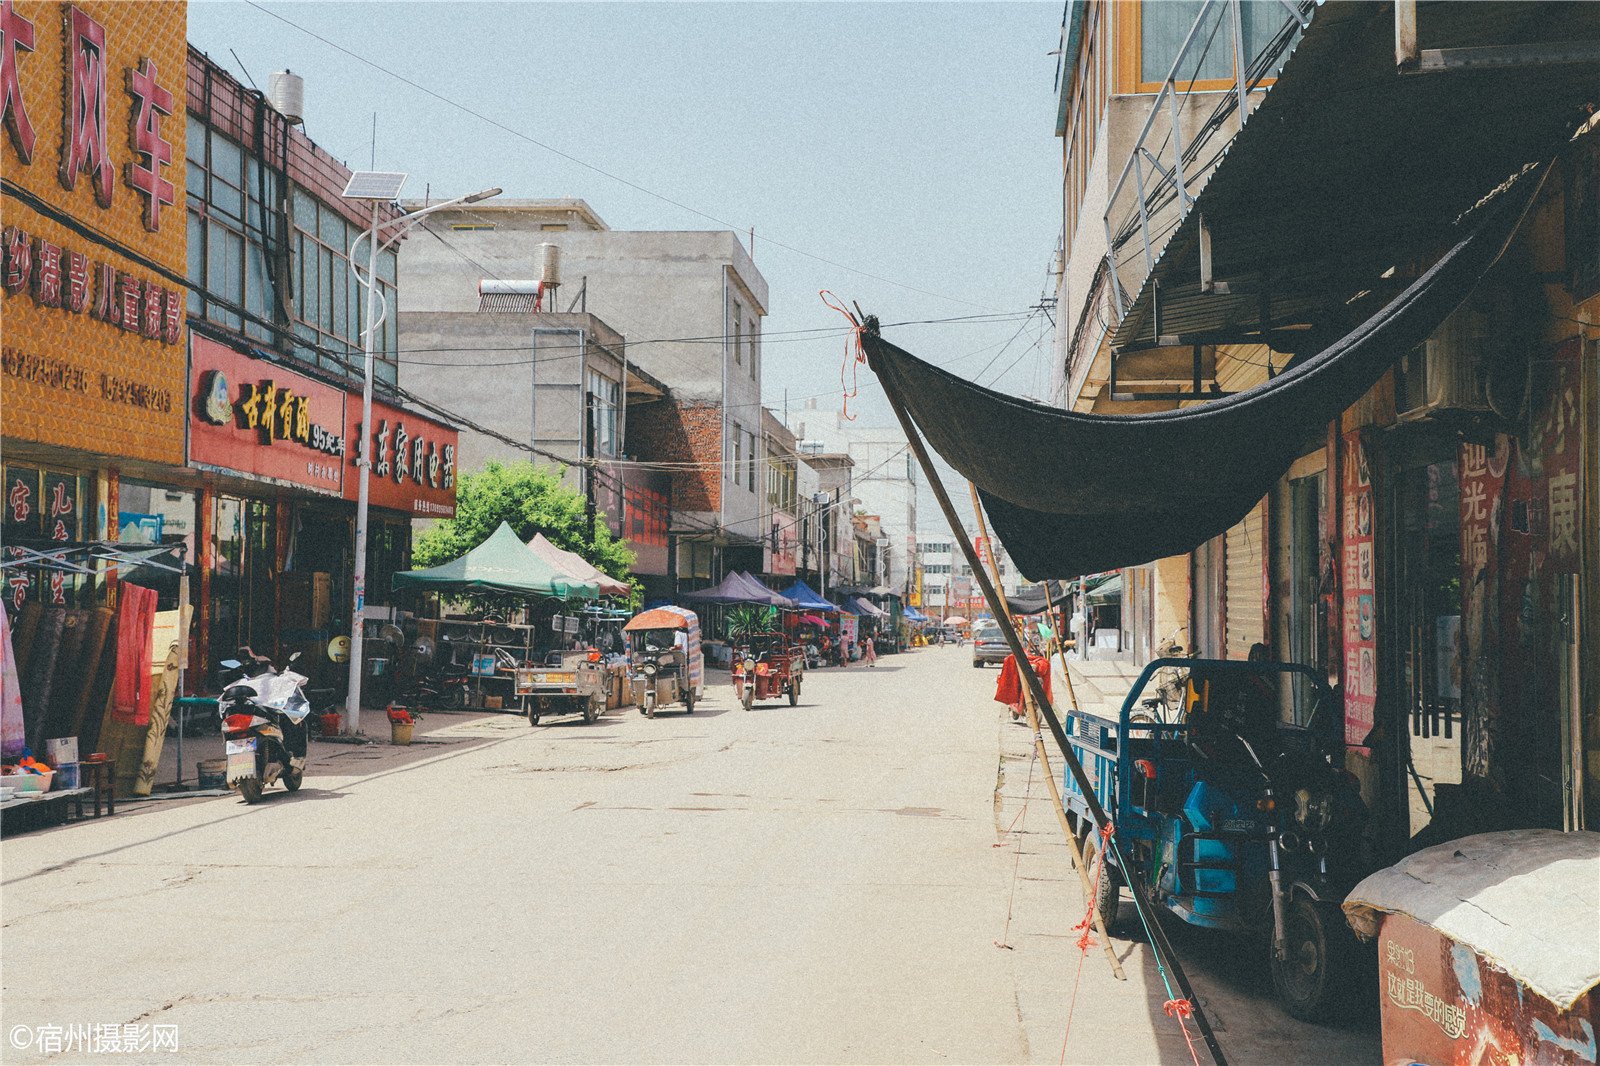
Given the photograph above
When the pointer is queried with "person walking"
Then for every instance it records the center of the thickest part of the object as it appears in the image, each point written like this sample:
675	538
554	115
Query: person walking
869	654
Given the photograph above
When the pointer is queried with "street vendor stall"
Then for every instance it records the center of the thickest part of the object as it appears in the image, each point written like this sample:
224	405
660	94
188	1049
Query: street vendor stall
1489	949
513	659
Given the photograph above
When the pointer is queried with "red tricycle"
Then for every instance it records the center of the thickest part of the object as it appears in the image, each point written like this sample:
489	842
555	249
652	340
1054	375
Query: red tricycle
767	665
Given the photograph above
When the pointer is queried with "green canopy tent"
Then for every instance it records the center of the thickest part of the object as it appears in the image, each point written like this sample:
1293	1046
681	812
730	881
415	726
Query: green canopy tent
500	564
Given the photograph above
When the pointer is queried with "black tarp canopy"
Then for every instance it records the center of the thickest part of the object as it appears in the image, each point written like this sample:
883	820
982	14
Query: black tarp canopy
1072	494
1036	599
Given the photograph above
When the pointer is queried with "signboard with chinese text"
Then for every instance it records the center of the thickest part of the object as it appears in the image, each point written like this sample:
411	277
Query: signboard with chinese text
261	420
1445	1004
1358	567
413	461
93	103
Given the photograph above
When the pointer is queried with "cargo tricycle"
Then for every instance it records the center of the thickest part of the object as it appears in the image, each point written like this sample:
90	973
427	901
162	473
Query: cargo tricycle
1230	818
767	665
571	682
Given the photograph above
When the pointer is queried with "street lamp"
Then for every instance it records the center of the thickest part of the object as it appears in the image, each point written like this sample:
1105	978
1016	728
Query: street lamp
380	188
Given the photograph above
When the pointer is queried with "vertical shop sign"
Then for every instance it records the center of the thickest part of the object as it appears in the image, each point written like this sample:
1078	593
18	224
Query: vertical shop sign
1360	611
1483	475
84	144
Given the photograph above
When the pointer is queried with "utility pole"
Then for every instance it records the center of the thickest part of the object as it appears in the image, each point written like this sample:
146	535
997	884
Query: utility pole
588	454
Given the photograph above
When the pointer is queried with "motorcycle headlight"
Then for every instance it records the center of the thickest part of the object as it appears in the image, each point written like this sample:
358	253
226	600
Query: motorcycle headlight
1311	808
749	665
649	669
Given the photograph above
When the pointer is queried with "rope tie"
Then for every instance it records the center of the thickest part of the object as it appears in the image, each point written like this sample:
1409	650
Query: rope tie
854	354
1181	1009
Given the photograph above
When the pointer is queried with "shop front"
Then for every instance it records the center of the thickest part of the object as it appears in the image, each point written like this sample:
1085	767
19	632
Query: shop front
92	319
273	447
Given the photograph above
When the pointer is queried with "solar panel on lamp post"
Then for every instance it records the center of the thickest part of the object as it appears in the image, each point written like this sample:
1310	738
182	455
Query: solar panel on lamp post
380	188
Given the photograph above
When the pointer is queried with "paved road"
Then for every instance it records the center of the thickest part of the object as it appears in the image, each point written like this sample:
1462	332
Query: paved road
809	884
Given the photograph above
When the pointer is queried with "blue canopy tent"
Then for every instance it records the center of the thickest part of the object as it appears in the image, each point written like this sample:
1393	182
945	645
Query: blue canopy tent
804	596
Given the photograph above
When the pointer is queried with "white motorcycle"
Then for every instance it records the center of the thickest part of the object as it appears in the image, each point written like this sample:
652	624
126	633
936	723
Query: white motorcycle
263	721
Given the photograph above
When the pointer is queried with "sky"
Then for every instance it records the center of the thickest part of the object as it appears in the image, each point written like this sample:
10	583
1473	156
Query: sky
899	155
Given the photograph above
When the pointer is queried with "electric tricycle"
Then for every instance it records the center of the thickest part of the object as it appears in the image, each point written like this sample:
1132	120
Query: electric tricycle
1230	818
665	662
767	665
567	683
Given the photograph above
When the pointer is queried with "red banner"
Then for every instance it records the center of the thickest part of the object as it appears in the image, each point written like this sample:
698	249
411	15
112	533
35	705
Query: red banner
413	461
261	420
1360	608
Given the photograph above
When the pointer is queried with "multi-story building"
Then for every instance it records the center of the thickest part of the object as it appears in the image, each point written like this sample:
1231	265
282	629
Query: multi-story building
830	548
884	478
690	306
1216	232
182	333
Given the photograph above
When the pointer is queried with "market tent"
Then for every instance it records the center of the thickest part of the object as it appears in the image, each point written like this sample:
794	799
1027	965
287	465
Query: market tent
804	596
813	619
773	597
1106	591
868	608
911	614
577	566
737	588
956	620
1036	599
1071	493
500	564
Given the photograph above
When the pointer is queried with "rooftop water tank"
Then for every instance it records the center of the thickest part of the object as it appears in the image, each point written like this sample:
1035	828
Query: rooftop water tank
550	264
286	91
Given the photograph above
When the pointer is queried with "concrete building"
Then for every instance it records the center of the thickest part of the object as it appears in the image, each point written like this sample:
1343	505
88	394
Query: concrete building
690	306
832	561
1204	246
885	478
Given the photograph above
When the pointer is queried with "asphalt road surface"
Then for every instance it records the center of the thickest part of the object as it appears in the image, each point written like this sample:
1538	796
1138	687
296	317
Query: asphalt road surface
819	883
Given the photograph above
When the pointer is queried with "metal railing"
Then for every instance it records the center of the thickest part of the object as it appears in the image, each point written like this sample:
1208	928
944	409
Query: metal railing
1171	182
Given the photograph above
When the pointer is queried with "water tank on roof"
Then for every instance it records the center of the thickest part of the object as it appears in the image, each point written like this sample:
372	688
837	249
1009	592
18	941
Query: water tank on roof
286	91
550	264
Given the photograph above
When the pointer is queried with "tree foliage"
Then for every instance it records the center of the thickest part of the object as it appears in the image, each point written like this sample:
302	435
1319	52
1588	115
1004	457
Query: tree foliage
533	500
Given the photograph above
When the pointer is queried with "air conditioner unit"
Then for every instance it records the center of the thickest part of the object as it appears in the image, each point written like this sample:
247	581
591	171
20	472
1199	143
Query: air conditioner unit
1473	364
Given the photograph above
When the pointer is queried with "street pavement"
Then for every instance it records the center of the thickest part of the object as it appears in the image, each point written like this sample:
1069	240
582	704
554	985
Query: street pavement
851	880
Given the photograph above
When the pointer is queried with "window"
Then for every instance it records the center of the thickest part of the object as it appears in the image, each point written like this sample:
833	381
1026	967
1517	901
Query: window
604	399
733	467
549	226
330	304
472	227
755	347
738	335
1161	28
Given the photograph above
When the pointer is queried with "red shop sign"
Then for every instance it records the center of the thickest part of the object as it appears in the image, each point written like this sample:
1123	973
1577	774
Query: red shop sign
413	461
261	420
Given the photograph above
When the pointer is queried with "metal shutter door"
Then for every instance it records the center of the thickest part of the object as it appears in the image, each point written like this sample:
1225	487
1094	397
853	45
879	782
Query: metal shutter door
1245	619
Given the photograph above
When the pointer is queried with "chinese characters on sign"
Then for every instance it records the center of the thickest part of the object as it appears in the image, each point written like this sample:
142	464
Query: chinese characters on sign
413	461
1357	565
68	280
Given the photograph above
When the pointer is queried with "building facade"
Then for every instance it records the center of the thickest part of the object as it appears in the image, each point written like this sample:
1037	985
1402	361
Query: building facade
690	305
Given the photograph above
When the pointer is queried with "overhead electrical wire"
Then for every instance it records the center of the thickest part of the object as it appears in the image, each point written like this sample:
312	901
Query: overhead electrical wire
480	116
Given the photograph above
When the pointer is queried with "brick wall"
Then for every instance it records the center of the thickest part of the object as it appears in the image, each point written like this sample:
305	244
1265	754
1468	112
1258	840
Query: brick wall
668	431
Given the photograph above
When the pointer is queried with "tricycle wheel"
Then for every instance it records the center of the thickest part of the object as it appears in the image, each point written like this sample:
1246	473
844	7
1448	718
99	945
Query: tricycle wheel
1108	889
688	700
749	696
1318	951
591	710
794	692
650	705
533	716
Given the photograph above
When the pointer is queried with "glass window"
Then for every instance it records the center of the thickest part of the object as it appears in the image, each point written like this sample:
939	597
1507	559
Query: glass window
331	229
1164	25
197	250
195	141
310	283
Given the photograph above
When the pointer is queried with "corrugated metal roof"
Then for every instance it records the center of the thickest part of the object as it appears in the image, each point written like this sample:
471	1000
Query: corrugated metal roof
1349	168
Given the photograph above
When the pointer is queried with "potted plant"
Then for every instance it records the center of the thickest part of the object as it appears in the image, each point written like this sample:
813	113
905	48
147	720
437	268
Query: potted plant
401	722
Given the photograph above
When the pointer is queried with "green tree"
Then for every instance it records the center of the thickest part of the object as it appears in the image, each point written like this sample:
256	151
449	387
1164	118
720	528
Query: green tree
533	500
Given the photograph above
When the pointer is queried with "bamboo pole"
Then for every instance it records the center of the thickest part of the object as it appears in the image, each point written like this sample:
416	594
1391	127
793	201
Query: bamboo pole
1049	775
1141	900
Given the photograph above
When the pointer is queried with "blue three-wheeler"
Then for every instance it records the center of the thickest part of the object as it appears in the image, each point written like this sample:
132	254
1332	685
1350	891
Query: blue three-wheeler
1230	818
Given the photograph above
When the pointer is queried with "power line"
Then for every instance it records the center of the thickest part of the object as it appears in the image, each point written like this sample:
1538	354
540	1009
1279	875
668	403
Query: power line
598	170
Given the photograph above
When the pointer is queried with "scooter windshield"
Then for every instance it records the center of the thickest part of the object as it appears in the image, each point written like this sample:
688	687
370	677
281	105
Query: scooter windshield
282	693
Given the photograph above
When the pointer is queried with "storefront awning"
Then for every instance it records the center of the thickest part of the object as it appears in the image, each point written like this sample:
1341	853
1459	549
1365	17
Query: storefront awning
1349	168
1071	494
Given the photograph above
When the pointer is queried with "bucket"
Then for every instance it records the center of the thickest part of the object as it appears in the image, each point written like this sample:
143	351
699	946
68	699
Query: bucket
400	732
330	723
213	773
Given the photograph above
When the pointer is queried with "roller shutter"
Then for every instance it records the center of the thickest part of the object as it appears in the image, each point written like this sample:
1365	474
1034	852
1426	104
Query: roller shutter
1245	617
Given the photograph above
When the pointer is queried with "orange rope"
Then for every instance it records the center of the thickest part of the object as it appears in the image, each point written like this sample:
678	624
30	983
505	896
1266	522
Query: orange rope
1181	1009
852	358
1085	939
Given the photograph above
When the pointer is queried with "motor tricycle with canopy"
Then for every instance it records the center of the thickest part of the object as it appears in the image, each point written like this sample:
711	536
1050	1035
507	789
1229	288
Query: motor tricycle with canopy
665	661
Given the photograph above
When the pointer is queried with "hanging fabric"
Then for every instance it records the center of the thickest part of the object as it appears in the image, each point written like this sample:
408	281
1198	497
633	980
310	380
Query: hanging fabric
135	624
